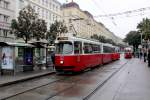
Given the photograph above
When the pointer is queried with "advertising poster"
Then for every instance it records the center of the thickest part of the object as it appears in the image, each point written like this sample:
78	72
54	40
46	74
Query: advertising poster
7	58
28	56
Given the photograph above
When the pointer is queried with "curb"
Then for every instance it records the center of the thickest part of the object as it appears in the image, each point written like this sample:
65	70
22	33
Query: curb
25	79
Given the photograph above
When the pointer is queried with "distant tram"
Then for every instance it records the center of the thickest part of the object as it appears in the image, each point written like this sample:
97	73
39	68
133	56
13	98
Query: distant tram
128	52
76	54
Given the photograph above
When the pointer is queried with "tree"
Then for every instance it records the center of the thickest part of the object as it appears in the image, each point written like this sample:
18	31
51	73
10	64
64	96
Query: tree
133	38
57	28
28	26
110	41
102	39
99	38
39	29
95	36
144	28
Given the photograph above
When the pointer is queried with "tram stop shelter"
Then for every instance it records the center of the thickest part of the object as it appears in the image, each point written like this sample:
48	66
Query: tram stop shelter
40	54
16	57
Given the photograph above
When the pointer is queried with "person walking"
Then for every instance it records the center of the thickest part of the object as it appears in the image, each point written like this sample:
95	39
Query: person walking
148	58
145	54
140	53
53	59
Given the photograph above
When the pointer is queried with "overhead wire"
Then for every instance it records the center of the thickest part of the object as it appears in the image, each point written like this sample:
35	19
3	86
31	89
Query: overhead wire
99	6
124	13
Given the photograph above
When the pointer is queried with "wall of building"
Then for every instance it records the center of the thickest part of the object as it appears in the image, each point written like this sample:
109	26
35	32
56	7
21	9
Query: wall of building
49	10
6	15
87	26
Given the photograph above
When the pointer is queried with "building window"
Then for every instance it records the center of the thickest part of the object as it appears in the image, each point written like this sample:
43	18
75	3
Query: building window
38	11
42	13
46	14
53	17
1	3
42	2
21	4
5	18
1	17
0	32
6	4
34	7
5	33
45	2
56	18
53	7
49	15
50	6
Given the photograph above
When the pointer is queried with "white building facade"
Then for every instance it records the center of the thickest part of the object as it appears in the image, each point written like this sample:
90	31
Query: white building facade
49	10
6	15
83	23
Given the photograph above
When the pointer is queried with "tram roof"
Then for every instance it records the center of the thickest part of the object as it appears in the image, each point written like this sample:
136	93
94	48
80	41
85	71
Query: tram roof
78	39
71	38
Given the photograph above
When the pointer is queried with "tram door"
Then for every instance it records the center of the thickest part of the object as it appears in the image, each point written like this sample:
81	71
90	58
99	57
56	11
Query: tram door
78	49
28	59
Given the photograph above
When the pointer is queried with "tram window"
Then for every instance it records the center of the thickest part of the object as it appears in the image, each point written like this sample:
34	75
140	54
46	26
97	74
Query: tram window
96	48
113	50
77	47
107	49
64	48
87	48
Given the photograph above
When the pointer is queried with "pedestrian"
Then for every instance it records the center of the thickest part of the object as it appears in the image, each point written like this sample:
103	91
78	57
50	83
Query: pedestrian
133	54
141	54
145	54
148	58
53	58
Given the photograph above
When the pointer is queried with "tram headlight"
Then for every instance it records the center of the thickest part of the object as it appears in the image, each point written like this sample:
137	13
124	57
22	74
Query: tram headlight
61	62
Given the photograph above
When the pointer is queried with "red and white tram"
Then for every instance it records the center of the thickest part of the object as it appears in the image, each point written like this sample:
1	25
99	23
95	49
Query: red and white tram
76	54
128	52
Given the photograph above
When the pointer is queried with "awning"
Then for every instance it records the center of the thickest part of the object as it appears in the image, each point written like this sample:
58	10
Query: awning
39	44
16	44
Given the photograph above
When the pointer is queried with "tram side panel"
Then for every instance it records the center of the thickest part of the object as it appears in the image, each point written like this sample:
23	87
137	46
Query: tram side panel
86	61
77	62
107	57
92	60
65	63
115	56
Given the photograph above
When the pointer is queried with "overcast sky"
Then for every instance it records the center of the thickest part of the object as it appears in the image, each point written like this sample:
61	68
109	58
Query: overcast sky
119	25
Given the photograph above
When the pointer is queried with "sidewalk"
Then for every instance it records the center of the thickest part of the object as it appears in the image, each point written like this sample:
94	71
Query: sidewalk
23	76
131	83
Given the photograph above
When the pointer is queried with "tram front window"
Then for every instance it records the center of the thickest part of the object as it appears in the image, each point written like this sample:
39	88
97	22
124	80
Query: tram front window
64	48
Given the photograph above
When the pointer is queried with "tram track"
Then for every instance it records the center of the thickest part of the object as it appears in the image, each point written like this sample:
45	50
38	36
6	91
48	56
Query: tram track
99	86
103	83
53	95
72	85
15	94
